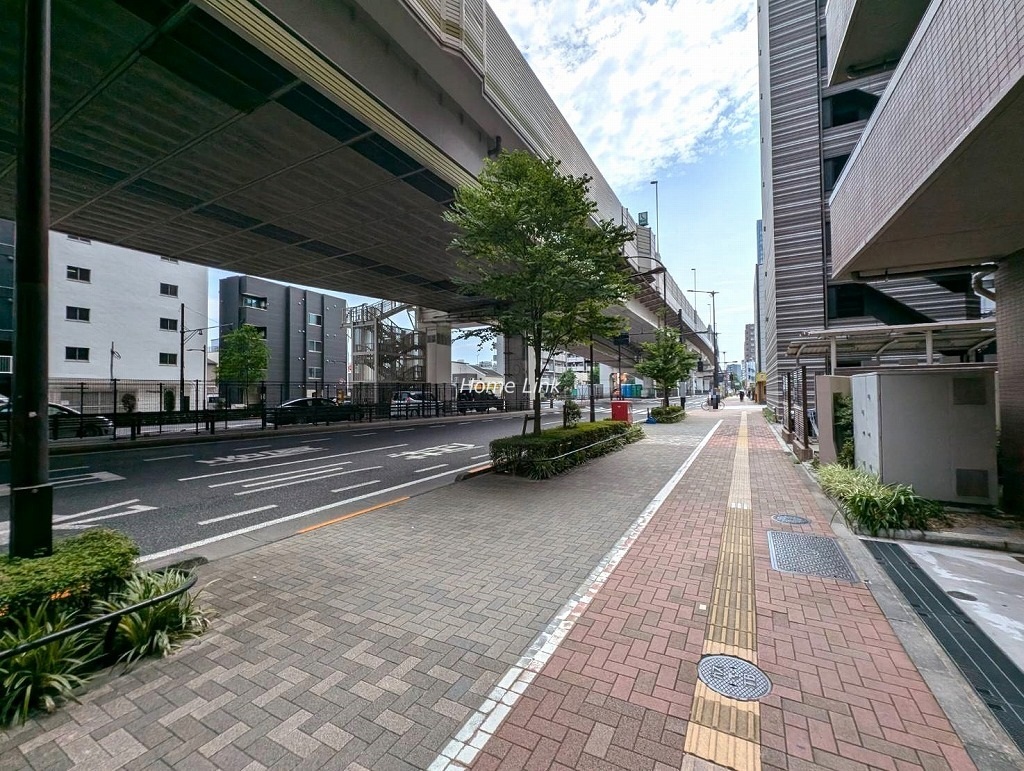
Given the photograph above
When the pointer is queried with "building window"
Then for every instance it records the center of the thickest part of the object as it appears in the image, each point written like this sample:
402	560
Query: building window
833	167
76	354
315	346
315	319
315	373
847	107
261	330
79	274
169	325
169	358
71	313
169	290
252	301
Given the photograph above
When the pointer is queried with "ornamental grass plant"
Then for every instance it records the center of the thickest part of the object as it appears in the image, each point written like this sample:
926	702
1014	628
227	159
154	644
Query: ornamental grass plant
869	506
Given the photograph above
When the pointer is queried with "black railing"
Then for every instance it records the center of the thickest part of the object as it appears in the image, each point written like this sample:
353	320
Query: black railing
108	618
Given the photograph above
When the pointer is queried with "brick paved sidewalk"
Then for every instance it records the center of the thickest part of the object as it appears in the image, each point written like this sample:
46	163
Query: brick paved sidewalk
382	642
621	692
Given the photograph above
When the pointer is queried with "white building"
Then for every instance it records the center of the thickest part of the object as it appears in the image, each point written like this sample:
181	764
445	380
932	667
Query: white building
105	298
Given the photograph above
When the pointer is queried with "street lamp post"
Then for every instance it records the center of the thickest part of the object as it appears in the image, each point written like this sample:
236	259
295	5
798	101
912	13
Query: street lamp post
657	217
714	333
590	379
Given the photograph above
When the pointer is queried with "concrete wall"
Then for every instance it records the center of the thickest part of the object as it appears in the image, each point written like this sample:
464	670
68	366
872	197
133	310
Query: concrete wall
1009	323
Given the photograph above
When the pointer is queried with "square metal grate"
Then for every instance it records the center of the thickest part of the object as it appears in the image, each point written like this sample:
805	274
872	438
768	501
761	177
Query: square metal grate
812	555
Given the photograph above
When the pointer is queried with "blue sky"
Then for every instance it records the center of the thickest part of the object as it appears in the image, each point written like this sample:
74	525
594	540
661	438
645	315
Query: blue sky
665	90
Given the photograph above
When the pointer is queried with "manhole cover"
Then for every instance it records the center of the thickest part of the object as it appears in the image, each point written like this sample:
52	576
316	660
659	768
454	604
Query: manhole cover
733	677
961	595
809	555
790	519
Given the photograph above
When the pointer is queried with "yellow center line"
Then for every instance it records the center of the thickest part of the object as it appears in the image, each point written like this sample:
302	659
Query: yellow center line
336	520
722	730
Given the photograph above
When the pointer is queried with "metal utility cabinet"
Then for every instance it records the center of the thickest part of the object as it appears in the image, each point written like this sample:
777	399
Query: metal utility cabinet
934	429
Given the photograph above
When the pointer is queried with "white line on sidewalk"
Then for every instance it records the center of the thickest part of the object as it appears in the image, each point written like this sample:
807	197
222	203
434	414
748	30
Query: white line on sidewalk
299	515
232	516
461	751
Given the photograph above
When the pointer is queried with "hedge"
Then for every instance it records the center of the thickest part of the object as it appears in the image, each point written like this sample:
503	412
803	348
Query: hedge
559	449
670	414
81	567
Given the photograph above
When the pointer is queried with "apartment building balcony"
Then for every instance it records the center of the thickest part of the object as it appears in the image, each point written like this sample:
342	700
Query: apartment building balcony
868	36
931	183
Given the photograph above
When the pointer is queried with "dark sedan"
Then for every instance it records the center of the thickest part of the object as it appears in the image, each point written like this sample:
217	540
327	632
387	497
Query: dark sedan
64	422
310	409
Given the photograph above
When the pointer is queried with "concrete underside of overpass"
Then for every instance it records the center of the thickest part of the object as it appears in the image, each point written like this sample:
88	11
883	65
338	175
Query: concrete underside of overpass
172	134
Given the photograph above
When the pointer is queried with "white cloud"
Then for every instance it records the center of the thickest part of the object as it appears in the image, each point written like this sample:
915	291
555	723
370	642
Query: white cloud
645	84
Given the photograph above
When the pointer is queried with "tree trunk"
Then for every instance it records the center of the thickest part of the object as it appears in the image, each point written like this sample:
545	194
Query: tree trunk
664	401
536	381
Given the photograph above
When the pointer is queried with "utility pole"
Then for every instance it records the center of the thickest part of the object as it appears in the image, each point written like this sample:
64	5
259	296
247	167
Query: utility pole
590	379
31	532
181	360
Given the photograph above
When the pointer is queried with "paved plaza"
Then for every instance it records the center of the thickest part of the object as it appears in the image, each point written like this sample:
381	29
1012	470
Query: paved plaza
502	623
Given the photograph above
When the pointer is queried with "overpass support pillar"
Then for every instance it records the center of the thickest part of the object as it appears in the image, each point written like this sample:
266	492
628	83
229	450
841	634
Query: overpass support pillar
518	362
438	352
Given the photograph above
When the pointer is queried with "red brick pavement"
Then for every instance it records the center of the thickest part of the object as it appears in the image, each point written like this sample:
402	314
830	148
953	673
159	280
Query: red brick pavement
617	693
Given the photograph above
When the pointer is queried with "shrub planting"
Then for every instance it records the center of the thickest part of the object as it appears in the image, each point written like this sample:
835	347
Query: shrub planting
670	414
559	449
869	506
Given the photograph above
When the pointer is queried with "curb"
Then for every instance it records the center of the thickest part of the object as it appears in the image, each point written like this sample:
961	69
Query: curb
990	542
474	473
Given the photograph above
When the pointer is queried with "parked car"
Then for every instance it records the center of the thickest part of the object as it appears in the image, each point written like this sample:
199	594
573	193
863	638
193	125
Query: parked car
414	403
64	422
303	410
480	401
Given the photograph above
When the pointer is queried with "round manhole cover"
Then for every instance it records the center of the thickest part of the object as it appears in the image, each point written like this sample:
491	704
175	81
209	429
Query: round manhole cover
790	519
733	677
961	595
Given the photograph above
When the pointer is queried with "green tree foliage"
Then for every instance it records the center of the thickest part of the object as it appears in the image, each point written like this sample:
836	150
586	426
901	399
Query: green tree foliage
666	360
566	382
243	356
530	242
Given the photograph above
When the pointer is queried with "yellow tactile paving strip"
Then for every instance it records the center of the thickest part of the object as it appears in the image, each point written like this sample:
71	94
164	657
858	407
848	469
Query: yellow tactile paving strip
723	730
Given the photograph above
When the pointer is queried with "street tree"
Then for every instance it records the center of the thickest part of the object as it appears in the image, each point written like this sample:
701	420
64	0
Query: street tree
566	382
666	360
531	241
243	357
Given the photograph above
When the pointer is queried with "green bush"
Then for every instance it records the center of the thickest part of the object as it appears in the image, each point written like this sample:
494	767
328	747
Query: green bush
82	567
868	505
769	415
158	629
670	414
559	449
571	413
43	676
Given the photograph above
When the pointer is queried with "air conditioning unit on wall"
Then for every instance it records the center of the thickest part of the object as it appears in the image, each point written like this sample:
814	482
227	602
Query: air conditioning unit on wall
934	429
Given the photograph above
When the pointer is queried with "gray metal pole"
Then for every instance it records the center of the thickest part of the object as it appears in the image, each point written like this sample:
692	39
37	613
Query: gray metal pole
31	493
590	379
181	362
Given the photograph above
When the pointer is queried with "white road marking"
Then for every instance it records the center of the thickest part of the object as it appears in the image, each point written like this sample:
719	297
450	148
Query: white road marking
464	423
252	457
256	447
429	468
433	452
77	480
299	515
232	516
401	430
96	511
436	425
80	524
311	441
353	487
166	457
372	433
478	457
69	468
305	481
290	463
293	474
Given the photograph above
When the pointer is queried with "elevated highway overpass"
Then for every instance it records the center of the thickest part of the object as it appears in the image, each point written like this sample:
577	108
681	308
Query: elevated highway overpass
308	141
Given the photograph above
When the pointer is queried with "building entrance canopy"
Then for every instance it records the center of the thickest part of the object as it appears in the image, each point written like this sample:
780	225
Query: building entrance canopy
955	338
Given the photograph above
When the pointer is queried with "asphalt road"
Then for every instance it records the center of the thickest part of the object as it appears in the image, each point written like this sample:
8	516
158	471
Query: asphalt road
214	498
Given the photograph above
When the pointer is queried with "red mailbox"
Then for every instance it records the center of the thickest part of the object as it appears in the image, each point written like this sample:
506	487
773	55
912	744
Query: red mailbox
622	410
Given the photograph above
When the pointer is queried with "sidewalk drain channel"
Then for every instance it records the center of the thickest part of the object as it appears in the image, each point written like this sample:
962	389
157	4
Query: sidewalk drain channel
811	555
733	677
991	673
790	519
